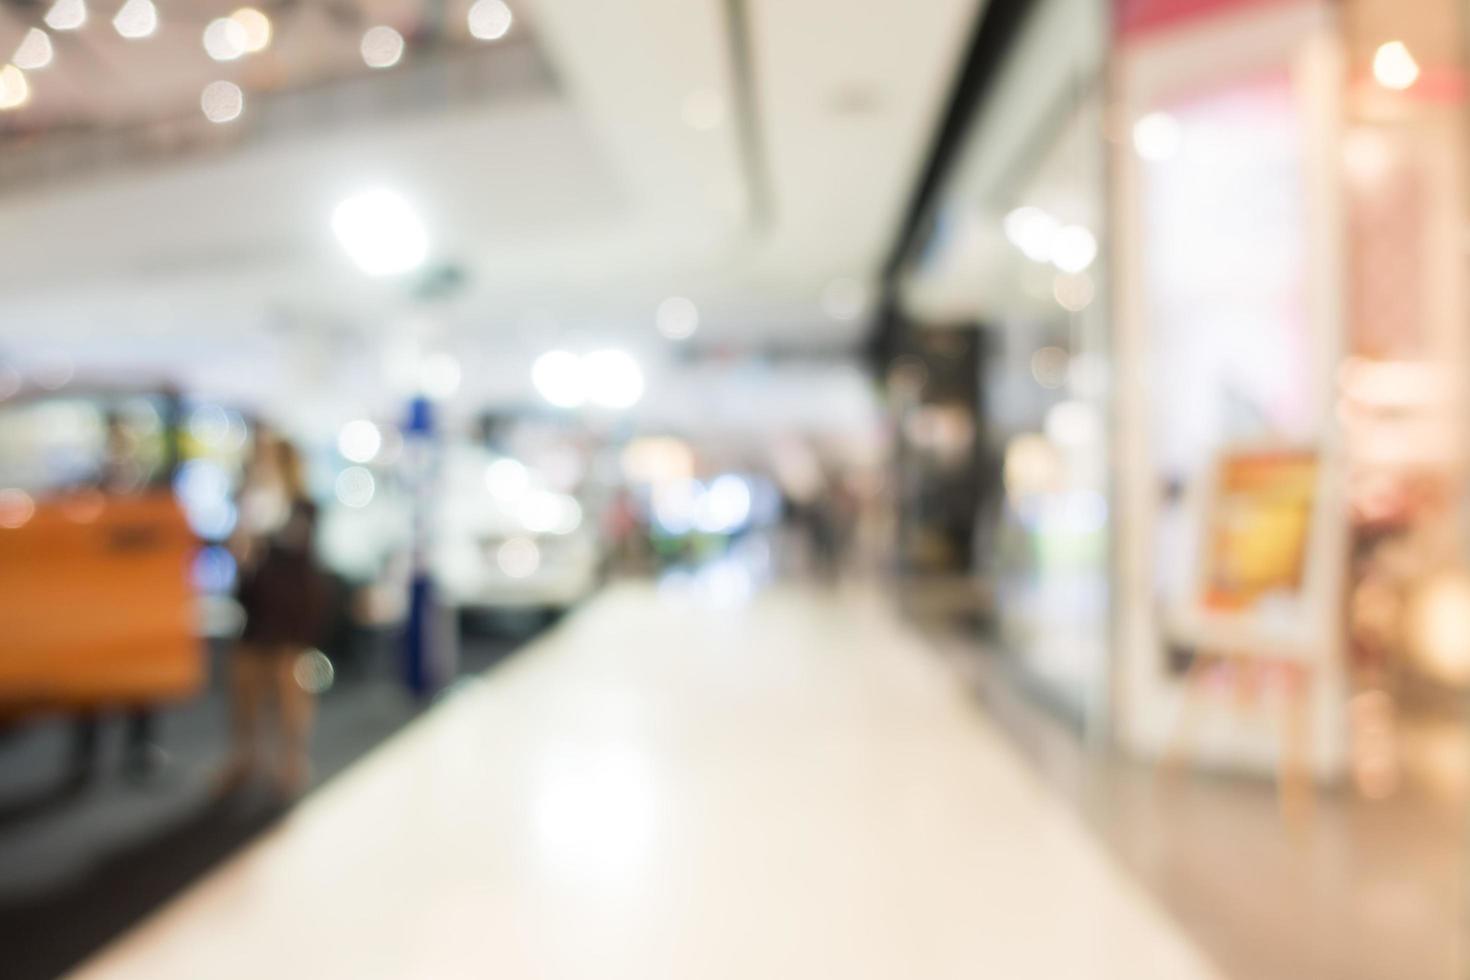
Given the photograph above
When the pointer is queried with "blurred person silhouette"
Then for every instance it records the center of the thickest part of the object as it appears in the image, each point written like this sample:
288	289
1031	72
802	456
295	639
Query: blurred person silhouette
628	542
282	591
830	524
120	472
828	517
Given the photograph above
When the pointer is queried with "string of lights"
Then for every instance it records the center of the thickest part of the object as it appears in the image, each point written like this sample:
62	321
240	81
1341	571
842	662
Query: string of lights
244	34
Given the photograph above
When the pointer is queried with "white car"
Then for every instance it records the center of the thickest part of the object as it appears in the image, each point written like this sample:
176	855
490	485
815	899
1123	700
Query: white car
504	541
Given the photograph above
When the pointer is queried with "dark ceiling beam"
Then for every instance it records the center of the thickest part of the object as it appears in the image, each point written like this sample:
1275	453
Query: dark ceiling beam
997	24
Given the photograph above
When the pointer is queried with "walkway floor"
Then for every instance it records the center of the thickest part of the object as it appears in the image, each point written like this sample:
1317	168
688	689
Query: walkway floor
82	864
794	787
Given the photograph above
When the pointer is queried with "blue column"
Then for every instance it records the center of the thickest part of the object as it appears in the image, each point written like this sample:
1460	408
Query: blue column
422	640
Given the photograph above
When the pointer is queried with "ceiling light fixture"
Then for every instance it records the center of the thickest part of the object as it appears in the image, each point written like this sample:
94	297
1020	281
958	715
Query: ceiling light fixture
224	40
34	51
606	378
613	378
489	20
381	233
222	101
559	378
15	91
136	19
382	47
257	28
66	15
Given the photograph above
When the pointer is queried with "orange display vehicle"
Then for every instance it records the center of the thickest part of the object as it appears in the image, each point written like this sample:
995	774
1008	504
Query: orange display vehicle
97	608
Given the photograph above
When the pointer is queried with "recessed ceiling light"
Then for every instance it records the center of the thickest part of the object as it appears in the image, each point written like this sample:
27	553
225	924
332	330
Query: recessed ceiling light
34	51
66	15
381	232
224	40
15	91
222	101
559	377
613	378
382	47
257	28
489	20
136	19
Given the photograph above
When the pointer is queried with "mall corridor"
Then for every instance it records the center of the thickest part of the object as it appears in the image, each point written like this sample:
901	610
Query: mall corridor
664	786
735	489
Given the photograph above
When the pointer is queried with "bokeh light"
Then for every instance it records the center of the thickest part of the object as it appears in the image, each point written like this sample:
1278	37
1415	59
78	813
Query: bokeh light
613	379
1072	248
507	480
1394	66
15	90
34	51
380	232
224	39
222	101
1157	136
1031	230
359	441
16	508
677	318
136	19
66	15
560	379
382	47
489	20
518	557
355	487
256	27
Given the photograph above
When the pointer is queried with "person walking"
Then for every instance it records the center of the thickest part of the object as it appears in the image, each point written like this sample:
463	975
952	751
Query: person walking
281	591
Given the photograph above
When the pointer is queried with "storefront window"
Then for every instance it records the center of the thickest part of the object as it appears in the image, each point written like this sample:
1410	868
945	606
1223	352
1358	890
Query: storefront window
1400	390
1020	250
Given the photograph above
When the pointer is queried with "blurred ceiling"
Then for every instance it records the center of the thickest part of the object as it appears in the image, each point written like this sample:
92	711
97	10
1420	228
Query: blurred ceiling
597	159
101	80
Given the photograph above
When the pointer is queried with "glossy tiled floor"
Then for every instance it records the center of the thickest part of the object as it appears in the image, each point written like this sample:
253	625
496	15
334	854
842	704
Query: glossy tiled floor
660	788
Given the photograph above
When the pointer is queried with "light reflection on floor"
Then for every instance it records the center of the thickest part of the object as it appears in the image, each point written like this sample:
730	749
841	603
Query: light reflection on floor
791	786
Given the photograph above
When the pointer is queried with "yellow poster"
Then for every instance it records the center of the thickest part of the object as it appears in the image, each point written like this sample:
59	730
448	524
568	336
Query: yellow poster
1258	527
